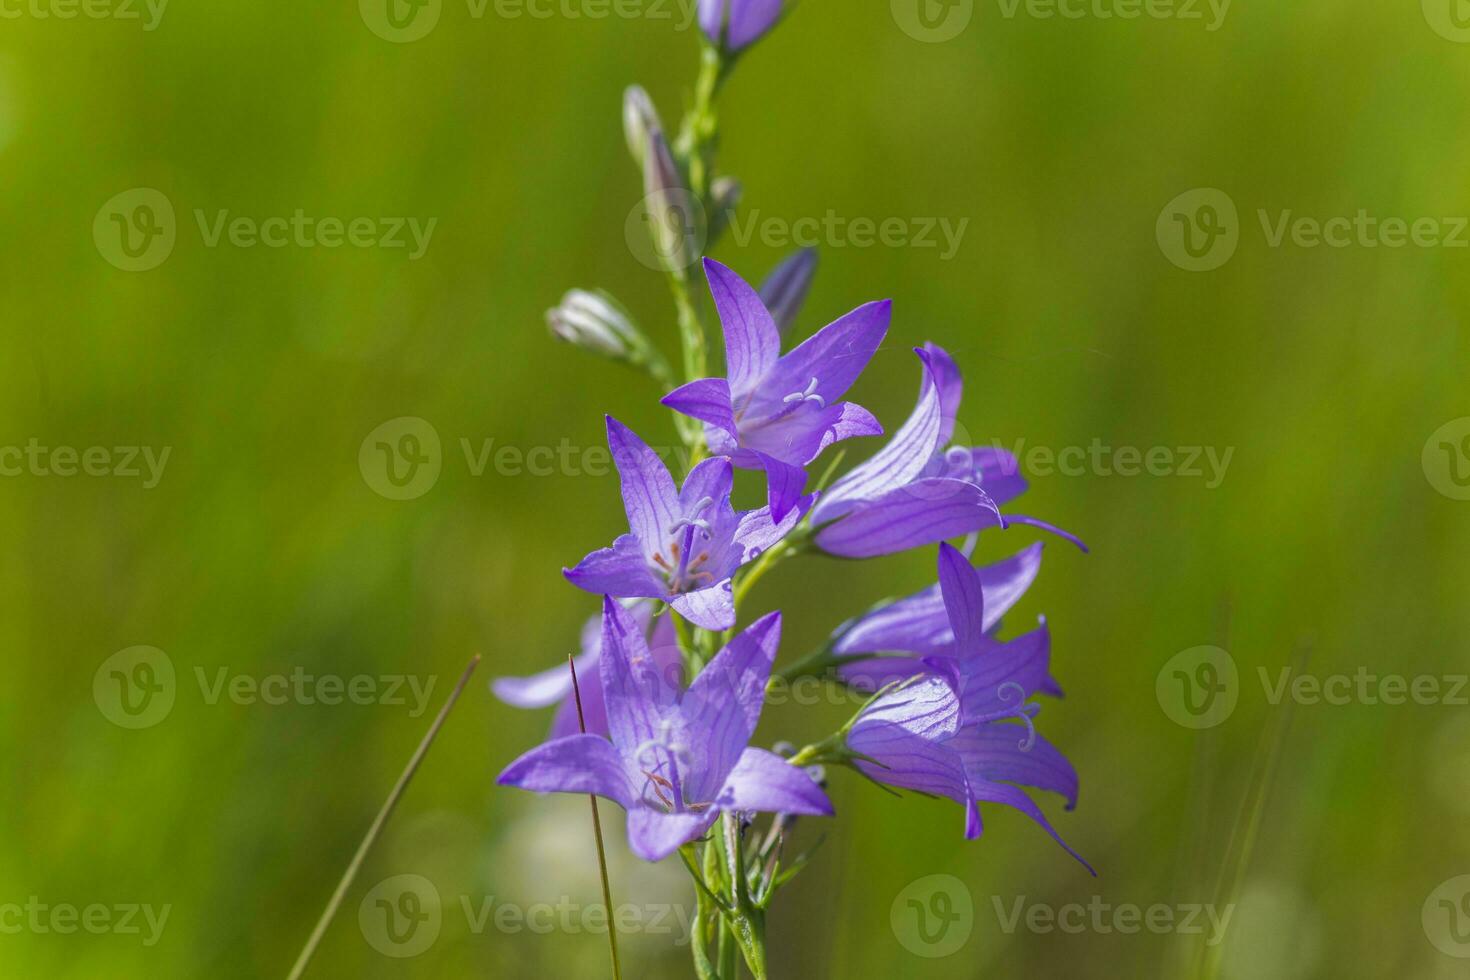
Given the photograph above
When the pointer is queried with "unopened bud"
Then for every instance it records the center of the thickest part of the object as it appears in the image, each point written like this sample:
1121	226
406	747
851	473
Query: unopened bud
785	289
737	24
676	220
724	194
596	322
640	121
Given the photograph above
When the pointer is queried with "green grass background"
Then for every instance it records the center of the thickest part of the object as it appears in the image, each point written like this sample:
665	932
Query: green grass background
263	549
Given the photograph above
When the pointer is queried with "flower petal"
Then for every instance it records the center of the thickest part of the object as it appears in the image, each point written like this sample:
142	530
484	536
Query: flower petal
711	608
638	691
995	752
711	478
752	342
992	670
834	356
763	781
649	496
950	385
784	484
919	624
575	764
964	601
707	400
998	472
654	835
988	792
923	512
621	570
723	704
539	690
757	533
899	462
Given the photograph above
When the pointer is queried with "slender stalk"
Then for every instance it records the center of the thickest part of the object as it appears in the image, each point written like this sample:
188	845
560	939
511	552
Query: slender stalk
378	823
612	928
1248	824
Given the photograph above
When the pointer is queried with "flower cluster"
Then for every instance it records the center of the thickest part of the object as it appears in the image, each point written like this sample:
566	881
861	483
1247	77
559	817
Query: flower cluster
661	709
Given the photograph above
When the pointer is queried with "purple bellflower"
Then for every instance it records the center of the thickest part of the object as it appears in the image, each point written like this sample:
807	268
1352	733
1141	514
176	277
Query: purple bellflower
554	686
915	491
737	24
964	729
675	760
773	412
683	546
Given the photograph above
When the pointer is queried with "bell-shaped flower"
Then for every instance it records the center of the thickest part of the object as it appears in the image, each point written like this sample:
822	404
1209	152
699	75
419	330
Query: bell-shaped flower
963	729
675	760
777	412
683	545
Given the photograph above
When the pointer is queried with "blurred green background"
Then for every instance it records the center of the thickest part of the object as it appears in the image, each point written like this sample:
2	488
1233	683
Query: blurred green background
263	549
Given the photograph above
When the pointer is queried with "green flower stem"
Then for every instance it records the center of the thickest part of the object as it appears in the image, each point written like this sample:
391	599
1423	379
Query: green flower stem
700	133
706	917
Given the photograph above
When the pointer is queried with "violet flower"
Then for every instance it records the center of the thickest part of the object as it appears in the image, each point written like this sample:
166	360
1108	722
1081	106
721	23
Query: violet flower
964	730
683	546
675	760
777	413
737	24
554	685
915	492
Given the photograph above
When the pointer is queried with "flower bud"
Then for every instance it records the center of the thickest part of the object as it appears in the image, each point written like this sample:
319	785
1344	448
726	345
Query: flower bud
785	289
724	194
676	220
595	321
736	24
640	121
